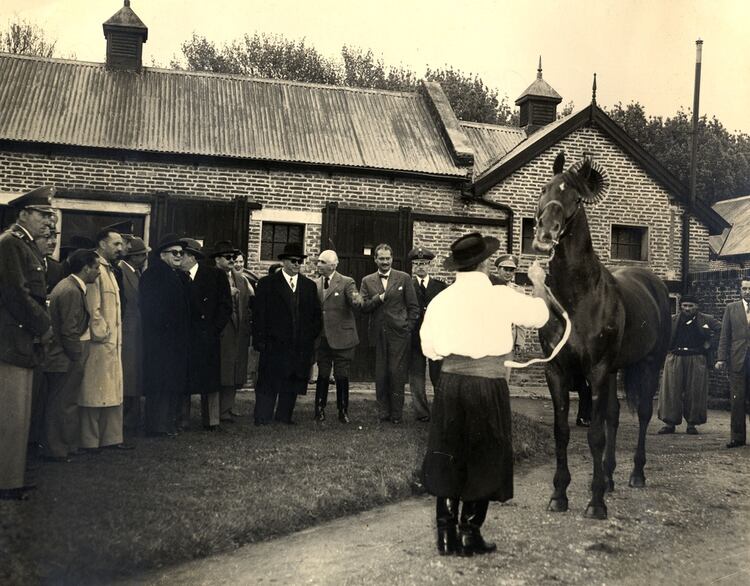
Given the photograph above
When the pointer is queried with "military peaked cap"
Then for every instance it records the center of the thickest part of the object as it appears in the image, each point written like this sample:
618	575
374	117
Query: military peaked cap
420	253
39	199
507	260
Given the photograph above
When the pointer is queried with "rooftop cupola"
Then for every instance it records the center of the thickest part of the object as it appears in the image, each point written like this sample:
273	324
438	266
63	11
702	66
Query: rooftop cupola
125	34
538	104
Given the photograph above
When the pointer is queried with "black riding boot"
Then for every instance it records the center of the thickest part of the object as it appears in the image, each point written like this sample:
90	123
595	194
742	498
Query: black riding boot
473	514
446	515
321	398
342	399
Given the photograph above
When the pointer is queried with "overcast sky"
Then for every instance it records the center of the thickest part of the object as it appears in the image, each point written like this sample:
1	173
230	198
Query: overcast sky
641	50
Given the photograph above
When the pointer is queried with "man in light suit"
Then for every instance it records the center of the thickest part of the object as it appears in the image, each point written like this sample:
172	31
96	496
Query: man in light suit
733	348
389	297
338	297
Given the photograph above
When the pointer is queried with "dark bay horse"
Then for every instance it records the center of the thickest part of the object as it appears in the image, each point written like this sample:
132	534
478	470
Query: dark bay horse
620	321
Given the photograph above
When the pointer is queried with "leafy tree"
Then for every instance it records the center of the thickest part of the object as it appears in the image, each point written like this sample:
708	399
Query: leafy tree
361	69
23	38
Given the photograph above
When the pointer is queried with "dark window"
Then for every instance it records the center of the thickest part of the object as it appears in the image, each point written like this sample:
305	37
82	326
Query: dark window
275	235
628	243
527	236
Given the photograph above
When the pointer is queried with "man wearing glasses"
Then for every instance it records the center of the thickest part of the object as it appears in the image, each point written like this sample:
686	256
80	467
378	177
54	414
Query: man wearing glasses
287	320
165	320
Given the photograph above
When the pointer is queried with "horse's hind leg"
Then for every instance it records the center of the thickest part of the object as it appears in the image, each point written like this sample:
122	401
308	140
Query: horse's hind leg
561	402
613	422
647	379
600	390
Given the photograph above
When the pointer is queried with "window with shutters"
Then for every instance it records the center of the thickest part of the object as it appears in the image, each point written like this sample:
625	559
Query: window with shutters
629	243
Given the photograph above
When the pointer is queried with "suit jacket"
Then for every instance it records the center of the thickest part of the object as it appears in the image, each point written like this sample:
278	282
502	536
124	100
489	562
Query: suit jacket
132	346
70	319
397	314
23	299
434	286
235	338
708	326
338	303
284	337
55	272
733	342
210	310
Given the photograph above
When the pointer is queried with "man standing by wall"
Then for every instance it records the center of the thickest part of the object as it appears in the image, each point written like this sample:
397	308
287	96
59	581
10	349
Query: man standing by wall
684	384
388	295
426	289
734	349
101	389
286	322
338	297
24	328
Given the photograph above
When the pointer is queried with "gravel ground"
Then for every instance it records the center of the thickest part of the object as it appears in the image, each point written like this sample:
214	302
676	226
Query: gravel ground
691	524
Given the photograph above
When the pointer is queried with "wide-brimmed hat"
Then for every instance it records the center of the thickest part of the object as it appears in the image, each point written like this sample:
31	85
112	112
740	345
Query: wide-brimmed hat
224	247
507	260
137	246
469	250
193	247
169	240
292	249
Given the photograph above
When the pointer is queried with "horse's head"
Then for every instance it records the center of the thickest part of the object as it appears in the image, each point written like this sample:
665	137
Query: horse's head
561	199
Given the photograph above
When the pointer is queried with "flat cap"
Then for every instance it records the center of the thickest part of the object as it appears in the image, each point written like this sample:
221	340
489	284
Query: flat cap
39	199
507	260
420	253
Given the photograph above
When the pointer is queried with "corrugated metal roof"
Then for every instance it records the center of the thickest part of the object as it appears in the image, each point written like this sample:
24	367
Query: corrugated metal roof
85	104
491	142
736	211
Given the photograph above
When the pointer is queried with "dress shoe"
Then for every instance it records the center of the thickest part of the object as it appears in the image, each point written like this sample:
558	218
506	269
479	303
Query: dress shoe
320	414
343	417
691	430
212	428
666	429
735	444
472	542
122	446
233	414
13	494
226	419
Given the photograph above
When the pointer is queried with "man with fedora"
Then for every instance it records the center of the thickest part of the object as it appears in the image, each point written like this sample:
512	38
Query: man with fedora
469	449
426	288
210	310
286	323
684	384
164	305
24	329
235	337
131	268
388	296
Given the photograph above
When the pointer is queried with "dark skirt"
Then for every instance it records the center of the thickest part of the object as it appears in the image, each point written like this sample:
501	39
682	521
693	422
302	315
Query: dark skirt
470	448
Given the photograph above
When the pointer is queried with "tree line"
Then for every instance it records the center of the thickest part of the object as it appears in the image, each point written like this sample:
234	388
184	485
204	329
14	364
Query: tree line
723	168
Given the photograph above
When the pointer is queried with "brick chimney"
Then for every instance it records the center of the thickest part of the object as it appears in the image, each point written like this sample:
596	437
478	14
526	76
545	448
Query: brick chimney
538	104
125	34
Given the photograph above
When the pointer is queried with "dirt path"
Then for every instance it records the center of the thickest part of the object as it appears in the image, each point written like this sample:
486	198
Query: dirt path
690	525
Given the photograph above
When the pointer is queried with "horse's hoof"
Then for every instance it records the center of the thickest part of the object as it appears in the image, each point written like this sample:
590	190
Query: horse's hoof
596	512
557	505
637	481
609	485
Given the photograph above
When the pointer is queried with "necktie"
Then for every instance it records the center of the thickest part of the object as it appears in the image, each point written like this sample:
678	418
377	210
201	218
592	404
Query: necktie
291	284
326	282
421	286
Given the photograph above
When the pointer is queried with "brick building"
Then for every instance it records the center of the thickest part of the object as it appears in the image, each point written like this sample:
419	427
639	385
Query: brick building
264	162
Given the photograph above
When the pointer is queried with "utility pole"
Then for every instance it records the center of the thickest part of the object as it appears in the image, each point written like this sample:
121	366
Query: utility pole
693	163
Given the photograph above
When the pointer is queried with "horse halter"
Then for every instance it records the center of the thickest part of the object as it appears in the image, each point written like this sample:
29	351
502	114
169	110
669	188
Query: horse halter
566	222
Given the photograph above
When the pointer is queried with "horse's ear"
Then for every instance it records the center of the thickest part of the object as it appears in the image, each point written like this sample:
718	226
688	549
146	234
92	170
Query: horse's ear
559	165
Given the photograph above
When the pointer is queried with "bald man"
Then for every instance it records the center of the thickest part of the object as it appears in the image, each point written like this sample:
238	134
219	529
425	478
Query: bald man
339	298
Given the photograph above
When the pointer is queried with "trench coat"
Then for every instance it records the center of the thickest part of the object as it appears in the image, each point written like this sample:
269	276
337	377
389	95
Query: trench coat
235	337
132	347
102	376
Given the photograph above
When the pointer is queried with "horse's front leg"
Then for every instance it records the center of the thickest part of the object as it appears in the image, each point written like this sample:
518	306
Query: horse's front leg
613	422
647	378
600	393
558	389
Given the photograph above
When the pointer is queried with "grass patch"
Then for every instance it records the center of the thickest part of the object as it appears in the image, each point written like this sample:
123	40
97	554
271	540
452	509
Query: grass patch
170	500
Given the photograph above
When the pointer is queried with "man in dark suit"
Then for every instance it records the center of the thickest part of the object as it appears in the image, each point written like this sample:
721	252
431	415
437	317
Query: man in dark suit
24	329
388	296
426	289
339	297
734	348
286	323
210	310
66	357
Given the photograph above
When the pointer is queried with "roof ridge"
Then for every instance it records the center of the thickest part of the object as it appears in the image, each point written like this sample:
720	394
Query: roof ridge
490	125
731	199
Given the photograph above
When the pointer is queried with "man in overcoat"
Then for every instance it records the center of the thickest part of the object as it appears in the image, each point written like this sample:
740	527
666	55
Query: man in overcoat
210	311
24	328
734	349
286	322
235	337
426	288
339	298
101	395
164	303
388	296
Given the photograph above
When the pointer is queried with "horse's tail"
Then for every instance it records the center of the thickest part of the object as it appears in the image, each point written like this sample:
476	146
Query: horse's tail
641	381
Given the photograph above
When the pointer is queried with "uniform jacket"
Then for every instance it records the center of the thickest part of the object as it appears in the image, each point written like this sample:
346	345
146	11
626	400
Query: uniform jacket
132	345
434	286
164	304
210	310
285	344
102	375
708	326
235	338
734	337
70	319
338	303
398	313
23	296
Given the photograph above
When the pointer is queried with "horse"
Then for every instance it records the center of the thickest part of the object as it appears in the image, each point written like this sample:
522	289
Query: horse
620	322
